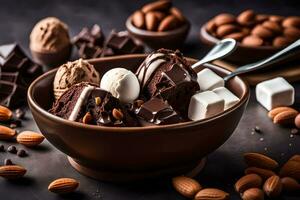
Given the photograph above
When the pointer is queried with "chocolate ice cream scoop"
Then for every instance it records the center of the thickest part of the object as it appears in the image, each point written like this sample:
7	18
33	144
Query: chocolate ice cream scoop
72	73
167	73
50	41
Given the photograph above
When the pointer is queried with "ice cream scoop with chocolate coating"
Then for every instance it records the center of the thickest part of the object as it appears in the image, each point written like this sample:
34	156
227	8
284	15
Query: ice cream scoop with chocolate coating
168	74
89	104
72	73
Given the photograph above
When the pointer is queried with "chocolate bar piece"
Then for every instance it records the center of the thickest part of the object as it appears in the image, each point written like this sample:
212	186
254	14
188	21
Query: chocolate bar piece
92	36
11	94
159	112
87	51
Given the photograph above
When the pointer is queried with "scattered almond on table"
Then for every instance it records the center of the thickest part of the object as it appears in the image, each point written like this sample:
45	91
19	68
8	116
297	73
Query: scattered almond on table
30	138
63	185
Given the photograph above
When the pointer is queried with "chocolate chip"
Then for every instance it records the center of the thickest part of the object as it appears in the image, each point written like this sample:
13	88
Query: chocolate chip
294	131
256	129
20	114
8	162
2	148
21	153
12	149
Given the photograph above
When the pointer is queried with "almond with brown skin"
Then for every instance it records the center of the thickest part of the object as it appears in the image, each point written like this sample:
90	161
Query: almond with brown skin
161	5
211	26
5	113
30	138
226	29
168	23
273	186
263	173
286	117
272	113
262	32
248	181
297	121
252	40
87	118
117	114
293	21
295	158
291	32
260	160
224	18
281	41
186	186
159	15
290	169
238	36
6	133
253	194
211	194
152	21
273	26
63	185
276	18
246	18
12	171
289	184
138	19
178	14
261	18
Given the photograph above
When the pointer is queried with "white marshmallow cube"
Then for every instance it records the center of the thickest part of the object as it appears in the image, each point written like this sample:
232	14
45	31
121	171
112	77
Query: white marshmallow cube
209	80
275	92
229	98
204	105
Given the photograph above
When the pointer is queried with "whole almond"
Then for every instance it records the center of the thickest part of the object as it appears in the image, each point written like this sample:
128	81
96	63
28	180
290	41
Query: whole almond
159	15
224	18
211	26
272	113
12	171
138	19
295	158
246	18
261	18
281	41
273	26
30	138
178	14
252	40
273	186
160	5
151	21
237	36
63	185
253	194
276	18
186	186
168	23
248	181
5	113
289	184
87	118
260	160
290	169
293	21
211	194
285	117
292	33
297	121
226	29
6	133
263	173
117	114
262	32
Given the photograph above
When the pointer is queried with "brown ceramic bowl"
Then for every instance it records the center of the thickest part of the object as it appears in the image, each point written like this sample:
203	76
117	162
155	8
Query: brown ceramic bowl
173	39
243	54
133	153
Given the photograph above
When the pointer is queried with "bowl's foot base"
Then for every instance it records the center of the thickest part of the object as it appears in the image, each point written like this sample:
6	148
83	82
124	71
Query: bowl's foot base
123	176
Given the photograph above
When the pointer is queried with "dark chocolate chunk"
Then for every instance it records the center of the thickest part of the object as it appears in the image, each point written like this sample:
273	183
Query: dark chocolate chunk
2	148
8	162
12	149
12	95
159	112
93	36
22	153
87	51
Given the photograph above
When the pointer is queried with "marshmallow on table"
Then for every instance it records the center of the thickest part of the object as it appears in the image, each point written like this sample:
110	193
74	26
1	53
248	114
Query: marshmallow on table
229	98
209	80
275	92
204	105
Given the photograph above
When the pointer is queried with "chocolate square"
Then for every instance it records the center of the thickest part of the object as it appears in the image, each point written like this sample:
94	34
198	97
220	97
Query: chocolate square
121	43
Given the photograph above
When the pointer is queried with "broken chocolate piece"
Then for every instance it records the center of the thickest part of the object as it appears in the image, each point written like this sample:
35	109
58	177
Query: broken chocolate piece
92	36
11	94
159	112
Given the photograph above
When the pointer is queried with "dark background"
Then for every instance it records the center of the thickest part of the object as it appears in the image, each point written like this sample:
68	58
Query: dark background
224	165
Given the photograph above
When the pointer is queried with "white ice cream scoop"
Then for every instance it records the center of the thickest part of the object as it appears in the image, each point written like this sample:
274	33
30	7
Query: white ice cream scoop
122	84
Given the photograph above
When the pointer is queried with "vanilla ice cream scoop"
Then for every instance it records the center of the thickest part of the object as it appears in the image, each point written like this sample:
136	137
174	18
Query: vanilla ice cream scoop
122	84
72	73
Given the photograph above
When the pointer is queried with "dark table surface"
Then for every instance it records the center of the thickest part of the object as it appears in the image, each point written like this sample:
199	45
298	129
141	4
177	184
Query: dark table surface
224	165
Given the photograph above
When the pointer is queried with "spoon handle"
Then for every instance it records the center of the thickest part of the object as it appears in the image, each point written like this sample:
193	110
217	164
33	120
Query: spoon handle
279	56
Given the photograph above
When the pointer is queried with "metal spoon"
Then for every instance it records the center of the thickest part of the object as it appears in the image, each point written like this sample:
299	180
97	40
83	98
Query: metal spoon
289	51
220	50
